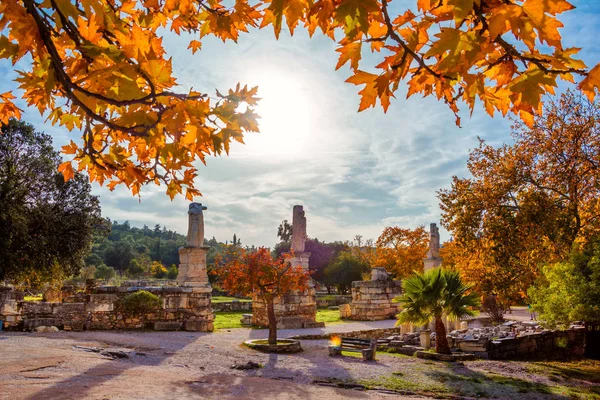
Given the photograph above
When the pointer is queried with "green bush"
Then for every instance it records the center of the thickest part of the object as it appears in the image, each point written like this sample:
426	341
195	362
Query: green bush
173	271
104	272
141	302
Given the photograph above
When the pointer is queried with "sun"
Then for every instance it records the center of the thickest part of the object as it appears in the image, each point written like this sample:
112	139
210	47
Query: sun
285	112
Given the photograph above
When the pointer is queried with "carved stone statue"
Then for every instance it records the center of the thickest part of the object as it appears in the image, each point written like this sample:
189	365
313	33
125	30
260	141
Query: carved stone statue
298	230
195	236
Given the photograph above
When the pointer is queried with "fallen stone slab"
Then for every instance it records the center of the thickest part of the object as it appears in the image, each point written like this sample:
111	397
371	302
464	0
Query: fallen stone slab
246	366
408	350
89	349
114	353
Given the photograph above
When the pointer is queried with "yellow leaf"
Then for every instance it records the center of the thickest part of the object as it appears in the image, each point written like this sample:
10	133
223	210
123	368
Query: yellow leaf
8	49
70	121
89	29
71	148
369	92
424	5
349	52
461	9
67	170
591	83
531	85
172	189
159	71
195	45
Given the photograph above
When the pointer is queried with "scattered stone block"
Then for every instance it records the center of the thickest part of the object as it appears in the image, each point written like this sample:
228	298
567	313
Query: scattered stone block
246	366
167	326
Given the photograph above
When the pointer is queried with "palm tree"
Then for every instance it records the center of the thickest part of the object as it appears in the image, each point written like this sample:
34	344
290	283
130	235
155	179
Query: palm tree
433	293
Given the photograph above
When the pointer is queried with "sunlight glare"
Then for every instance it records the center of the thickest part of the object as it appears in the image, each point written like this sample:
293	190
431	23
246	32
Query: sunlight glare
285	113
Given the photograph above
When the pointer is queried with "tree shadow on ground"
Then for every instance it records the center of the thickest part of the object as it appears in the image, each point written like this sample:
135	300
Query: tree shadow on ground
220	386
462	380
314	366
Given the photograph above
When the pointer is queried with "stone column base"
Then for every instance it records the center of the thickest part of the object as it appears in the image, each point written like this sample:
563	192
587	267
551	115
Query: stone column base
192	267
293	311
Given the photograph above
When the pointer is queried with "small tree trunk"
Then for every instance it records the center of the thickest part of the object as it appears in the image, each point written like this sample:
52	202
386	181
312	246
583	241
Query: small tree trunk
272	321
441	343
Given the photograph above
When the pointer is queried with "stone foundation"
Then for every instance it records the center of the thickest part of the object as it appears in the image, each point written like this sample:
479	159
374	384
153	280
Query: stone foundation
192	266
293	311
372	301
184	308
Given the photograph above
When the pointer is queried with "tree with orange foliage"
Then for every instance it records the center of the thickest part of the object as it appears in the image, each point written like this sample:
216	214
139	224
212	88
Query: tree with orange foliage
528	203
258	272
401	251
100	67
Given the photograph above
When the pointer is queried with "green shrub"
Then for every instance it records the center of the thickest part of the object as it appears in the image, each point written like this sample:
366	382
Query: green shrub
173	271
141	302
104	272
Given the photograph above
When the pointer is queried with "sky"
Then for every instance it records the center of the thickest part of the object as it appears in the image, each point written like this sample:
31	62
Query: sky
354	173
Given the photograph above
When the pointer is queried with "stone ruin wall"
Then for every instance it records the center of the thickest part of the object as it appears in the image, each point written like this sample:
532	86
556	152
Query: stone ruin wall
184	308
536	345
372	300
187	306
293	311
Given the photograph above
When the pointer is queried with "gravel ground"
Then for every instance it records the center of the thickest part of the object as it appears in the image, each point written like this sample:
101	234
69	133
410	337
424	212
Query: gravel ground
192	365
163	365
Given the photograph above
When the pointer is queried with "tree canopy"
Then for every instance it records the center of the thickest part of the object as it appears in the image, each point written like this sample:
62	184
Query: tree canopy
401	251
100	67
343	270
528	203
46	224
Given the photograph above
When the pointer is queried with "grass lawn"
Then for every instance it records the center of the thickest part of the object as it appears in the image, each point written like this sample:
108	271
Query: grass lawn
532	380
37	297
227	299
230	320
329	317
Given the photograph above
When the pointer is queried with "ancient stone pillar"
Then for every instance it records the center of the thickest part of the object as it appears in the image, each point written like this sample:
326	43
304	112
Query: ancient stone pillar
296	309
433	259
299	256
425	339
196	292
192	258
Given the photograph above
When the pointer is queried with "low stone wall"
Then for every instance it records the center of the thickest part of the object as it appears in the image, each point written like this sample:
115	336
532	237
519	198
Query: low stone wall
184	308
368	334
372	301
329	301
293	311
232	306
537	345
